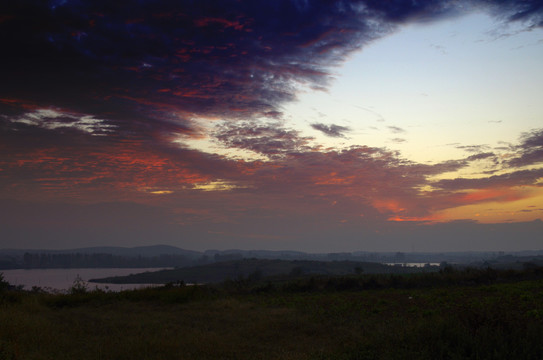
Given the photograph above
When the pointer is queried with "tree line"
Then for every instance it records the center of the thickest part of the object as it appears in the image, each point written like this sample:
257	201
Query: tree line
81	260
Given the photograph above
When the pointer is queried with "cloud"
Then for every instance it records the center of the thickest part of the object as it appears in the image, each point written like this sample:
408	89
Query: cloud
529	11
53	119
517	178
165	62
229	59
45	164
481	156
331	130
294	177
473	148
271	140
396	129
144	75
530	151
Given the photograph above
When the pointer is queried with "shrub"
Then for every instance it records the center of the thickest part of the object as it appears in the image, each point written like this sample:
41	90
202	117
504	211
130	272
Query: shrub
79	286
4	285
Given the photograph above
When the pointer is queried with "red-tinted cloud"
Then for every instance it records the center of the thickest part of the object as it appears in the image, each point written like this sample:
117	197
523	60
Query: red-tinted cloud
94	93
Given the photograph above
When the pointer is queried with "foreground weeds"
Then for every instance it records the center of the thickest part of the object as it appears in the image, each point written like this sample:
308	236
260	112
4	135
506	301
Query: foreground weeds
493	316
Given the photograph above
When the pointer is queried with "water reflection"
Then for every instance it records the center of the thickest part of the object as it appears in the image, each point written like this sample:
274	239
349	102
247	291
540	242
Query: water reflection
62	279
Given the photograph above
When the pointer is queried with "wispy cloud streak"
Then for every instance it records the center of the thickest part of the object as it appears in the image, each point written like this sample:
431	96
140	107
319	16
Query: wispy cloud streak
331	130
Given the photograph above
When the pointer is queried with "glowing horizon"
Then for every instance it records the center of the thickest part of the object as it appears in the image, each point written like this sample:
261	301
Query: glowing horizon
214	125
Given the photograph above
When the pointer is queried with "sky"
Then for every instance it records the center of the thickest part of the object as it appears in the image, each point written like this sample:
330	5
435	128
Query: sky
320	126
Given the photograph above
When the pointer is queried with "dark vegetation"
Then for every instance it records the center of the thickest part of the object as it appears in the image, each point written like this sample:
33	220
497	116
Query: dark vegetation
81	260
449	314
100	257
170	256
256	269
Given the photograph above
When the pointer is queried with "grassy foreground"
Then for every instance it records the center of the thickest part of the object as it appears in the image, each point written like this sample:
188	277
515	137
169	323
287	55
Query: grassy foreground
480	314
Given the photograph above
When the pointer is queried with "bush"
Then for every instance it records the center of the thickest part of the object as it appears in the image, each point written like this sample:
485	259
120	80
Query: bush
79	286
4	285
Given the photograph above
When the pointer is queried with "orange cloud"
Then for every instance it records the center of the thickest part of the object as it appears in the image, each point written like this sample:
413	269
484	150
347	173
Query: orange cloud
496	194
333	179
432	218
113	170
387	205
507	205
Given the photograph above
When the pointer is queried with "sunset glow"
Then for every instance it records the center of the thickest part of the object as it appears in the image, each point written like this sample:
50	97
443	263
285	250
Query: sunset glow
308	125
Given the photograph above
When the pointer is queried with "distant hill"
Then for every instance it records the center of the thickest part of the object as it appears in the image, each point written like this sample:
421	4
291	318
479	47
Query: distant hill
99	257
256	269
171	256
152	250
144	251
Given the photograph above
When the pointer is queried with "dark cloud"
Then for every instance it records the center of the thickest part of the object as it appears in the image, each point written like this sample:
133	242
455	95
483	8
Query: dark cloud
481	156
517	178
396	129
406	11
141	63
163	61
529	11
271	140
530	151
438	168
472	148
331	130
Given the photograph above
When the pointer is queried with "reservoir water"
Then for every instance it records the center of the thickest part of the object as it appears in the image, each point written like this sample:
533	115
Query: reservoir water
413	264
62	279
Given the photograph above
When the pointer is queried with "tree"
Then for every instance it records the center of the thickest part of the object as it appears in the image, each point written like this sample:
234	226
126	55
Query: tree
79	286
4	285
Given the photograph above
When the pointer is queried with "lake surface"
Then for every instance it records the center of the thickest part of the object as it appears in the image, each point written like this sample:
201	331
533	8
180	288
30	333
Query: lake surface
63	279
412	264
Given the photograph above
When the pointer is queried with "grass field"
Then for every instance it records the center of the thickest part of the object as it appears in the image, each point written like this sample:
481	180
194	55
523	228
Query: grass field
468	314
